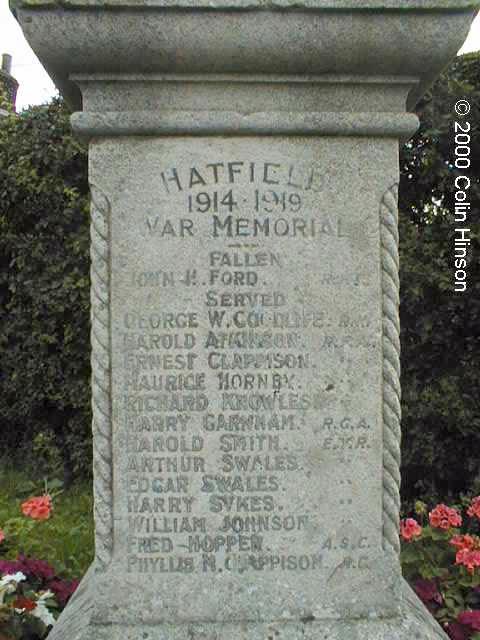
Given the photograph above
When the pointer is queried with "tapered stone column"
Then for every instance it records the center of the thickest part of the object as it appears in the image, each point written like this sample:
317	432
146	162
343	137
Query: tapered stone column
245	331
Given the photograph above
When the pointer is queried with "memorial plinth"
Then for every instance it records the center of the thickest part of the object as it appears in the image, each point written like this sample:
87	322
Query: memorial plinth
245	332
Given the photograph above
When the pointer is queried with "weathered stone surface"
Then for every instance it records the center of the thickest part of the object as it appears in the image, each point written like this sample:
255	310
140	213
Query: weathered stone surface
258	383
245	331
252	423
412	5
205	41
414	621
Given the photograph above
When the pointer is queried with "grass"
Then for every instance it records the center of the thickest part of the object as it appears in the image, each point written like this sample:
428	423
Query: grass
65	540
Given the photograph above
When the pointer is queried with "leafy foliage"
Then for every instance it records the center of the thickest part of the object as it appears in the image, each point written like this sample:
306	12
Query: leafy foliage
440	328
434	562
65	540
32	591
44	285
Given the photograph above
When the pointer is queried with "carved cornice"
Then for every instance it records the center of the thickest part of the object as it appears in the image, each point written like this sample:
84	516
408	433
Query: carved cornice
281	123
393	37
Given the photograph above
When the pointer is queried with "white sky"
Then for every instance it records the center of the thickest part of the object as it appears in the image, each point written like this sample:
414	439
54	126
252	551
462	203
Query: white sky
35	84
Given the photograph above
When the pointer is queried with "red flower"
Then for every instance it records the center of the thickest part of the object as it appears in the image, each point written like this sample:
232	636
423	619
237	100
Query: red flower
474	508
410	529
470	619
63	589
38	508
427	591
2	536
24	603
443	517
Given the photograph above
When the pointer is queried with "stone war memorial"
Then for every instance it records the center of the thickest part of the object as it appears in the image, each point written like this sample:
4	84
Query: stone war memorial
245	329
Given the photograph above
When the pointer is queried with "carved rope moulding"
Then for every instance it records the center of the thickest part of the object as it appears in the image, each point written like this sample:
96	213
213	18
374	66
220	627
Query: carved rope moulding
101	372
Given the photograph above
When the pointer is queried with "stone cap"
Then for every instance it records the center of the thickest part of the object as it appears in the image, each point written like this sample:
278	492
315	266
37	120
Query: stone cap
244	38
357	5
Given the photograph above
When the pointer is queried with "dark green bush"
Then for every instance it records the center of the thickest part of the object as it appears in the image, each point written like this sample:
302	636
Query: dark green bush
440	328
44	287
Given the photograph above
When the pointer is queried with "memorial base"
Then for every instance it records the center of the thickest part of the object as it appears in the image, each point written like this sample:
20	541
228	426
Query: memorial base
415	622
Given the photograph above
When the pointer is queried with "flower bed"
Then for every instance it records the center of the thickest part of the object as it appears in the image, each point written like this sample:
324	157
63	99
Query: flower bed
441	559
31	598
32	594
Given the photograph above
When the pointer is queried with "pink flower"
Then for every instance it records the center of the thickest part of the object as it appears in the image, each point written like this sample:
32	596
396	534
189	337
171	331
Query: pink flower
410	529
470	619
38	508
474	508
427	591
469	559
465	542
2	536
443	517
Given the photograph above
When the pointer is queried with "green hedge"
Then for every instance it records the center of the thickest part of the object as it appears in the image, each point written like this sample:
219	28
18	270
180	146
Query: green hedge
440	329
44	287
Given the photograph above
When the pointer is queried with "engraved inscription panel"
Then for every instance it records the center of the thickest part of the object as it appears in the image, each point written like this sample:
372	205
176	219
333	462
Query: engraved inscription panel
246	374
